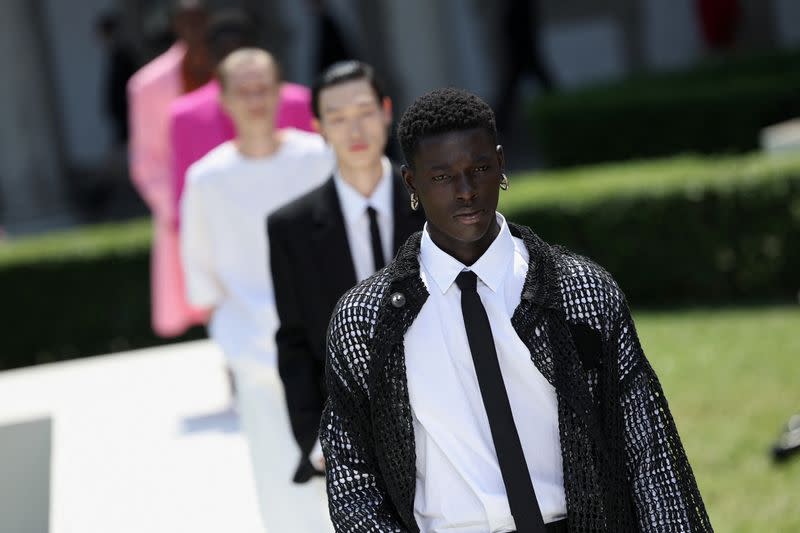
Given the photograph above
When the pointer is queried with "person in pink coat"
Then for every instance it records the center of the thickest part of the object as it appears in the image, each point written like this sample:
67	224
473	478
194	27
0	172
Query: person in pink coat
182	68
198	122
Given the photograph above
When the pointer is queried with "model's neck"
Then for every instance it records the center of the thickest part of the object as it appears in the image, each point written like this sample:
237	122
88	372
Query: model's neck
196	68
466	253
260	143
364	179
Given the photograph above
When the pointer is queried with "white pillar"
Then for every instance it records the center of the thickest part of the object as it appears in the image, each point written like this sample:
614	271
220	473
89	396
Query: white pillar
415	37
31	186
787	15
468	48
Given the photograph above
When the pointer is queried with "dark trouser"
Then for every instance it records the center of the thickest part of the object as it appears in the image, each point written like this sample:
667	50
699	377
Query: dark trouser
555	527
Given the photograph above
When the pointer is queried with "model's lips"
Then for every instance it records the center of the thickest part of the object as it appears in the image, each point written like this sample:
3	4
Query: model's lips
360	147
469	217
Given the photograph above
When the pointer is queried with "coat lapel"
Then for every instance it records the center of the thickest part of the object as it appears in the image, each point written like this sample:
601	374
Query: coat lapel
541	324
388	386
330	245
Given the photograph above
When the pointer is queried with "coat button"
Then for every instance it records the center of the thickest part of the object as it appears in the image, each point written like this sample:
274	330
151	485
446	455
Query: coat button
398	299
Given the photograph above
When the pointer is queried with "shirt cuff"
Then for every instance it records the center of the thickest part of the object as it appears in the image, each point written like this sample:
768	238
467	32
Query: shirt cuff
316	456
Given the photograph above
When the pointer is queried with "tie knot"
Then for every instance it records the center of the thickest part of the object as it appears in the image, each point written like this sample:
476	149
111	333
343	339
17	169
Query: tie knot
467	281
371	212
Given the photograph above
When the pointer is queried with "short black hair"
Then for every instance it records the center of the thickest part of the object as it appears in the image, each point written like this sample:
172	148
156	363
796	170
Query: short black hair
442	111
228	30
341	72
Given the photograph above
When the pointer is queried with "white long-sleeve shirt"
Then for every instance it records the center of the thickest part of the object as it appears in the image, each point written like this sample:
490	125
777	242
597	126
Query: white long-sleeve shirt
224	245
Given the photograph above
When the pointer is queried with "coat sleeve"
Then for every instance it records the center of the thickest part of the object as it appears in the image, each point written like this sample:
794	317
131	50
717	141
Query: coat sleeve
663	485
180	132
300	371
150	160
357	496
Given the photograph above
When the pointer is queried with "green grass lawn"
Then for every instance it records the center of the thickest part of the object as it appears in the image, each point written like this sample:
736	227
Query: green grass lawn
732	377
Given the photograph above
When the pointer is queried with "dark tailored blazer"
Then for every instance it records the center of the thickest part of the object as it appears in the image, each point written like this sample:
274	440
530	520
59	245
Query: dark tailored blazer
625	469
311	269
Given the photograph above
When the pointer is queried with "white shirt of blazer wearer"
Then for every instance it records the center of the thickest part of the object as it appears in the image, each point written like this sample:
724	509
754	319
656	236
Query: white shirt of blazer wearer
356	221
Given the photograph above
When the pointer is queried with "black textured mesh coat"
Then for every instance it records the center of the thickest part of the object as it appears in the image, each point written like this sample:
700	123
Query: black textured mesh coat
624	465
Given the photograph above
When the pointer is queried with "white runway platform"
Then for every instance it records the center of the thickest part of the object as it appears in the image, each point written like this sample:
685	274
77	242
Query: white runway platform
140	442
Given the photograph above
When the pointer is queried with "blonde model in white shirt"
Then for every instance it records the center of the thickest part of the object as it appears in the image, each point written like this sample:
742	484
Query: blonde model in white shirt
228	196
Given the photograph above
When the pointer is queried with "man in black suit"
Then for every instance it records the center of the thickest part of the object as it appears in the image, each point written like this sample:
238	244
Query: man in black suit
333	237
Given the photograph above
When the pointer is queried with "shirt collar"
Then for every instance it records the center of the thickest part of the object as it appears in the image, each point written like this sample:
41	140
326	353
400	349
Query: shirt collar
491	267
354	204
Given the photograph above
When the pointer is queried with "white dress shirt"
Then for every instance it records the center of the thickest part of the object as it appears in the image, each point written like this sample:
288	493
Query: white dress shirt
356	220
459	486
223	238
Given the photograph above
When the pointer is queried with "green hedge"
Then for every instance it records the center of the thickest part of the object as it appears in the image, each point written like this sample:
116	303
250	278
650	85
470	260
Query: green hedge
673	231
76	293
681	230
716	108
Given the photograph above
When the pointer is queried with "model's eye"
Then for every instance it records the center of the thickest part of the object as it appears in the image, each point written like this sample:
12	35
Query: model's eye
482	168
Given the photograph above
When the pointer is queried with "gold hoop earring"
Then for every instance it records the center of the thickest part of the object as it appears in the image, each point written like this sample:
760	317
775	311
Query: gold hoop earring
504	182
414	201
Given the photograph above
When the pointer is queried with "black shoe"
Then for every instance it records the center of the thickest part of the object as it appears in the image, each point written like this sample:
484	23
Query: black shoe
789	442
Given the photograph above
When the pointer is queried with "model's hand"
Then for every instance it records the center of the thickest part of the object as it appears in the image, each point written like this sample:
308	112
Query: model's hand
316	457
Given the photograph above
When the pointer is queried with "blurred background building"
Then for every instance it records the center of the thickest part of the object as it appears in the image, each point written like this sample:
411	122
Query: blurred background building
57	160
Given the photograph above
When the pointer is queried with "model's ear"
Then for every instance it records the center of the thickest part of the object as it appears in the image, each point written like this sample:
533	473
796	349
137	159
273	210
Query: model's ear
387	110
501	157
223	100
317	125
408	178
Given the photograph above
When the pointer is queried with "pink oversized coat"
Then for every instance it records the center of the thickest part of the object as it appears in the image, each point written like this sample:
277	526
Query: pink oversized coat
151	91
199	124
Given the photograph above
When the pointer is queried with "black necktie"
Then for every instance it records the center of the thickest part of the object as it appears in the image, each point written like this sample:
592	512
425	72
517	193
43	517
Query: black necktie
519	487
375	234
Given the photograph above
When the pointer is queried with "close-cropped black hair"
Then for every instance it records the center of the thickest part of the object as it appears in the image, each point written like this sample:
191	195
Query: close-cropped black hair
342	72
442	111
229	29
